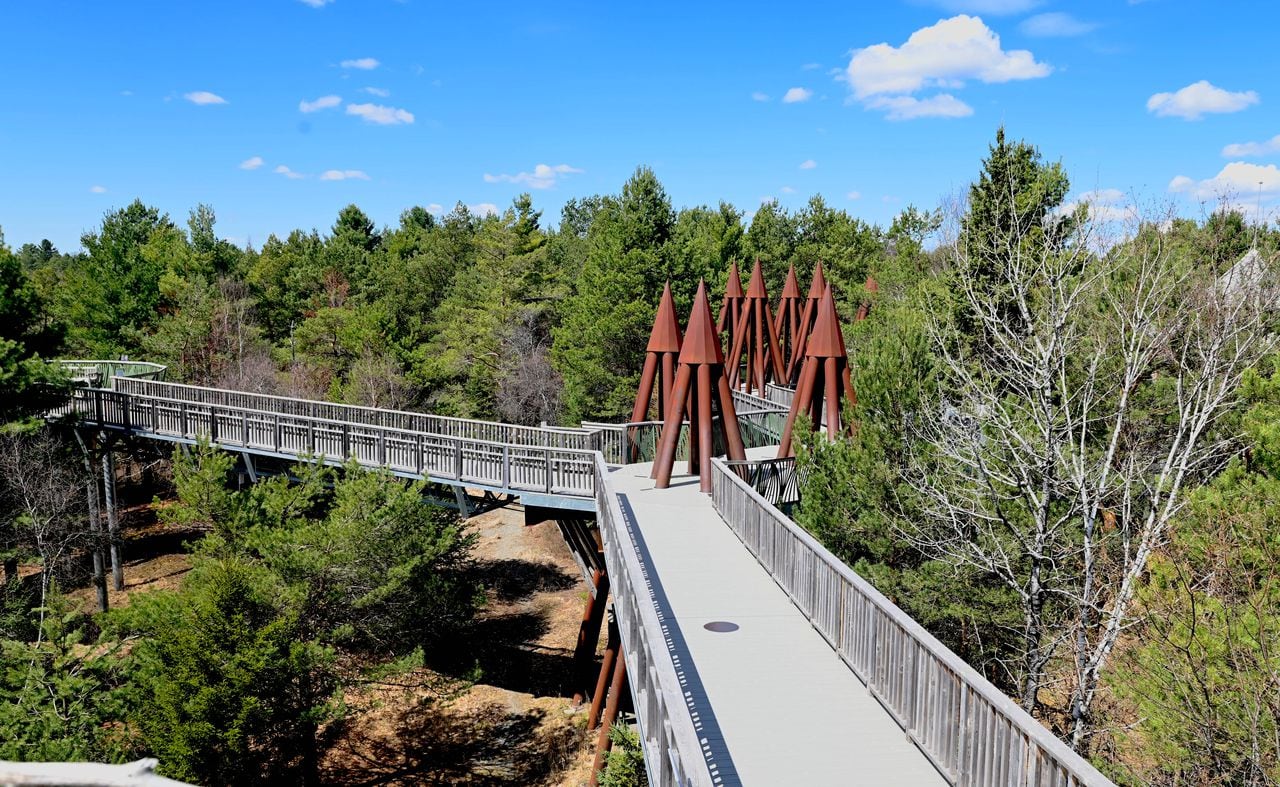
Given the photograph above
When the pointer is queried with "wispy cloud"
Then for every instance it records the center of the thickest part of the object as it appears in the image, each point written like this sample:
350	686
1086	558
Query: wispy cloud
98	189
1104	205
811	66
288	173
988	7
324	102
435	208
1240	149
759	96
204	97
1055	24
380	115
787	190
543	176
252	163
362	63
1199	99
343	174
797	94
808	164
377	91
316	3
943	105
484	209
854	195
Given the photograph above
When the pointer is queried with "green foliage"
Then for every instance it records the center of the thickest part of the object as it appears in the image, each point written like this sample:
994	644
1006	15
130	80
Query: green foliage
225	687
26	338
624	765
1204	673
60	695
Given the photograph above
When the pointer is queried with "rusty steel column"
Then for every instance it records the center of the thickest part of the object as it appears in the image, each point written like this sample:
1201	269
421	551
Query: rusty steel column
816	288
825	378
665	456
705	448
731	307
616	688
611	648
589	633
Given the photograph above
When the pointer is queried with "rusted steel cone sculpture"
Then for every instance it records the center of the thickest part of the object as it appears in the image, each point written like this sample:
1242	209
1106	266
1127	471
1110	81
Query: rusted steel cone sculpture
810	313
731	307
700	384
787	322
824	377
871	288
755	336
659	366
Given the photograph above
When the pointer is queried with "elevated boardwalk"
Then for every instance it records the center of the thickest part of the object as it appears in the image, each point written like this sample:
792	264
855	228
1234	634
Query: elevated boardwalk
775	705
819	679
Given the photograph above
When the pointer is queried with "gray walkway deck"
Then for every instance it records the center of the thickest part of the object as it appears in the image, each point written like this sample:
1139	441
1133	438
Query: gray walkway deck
772	699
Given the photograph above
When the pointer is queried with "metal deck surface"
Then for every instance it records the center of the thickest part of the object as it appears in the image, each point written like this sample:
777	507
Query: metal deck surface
773	702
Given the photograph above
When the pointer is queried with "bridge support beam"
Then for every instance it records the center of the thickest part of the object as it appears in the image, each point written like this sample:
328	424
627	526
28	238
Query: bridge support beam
87	443
606	670
113	524
589	633
616	689
460	495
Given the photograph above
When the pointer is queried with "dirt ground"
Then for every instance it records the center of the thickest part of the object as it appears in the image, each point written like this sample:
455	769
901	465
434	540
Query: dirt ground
515	724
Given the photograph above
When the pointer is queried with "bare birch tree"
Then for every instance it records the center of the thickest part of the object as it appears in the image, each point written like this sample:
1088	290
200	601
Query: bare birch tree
1085	391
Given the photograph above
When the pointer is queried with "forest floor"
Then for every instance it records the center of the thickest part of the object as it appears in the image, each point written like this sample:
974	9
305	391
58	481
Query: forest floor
512	722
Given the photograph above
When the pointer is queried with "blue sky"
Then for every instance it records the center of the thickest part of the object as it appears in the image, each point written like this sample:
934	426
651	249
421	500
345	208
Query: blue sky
874	106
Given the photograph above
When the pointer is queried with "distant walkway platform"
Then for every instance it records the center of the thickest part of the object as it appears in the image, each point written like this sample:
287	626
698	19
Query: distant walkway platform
772	702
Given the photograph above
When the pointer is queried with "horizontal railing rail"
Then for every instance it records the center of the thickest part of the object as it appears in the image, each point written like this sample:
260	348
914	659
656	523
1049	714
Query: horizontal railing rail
502	466
673	751
780	395
974	734
748	402
491	431
97	372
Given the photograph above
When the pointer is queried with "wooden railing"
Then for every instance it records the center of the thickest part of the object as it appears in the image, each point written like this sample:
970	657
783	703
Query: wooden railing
673	752
972	732
780	395
500	466
468	429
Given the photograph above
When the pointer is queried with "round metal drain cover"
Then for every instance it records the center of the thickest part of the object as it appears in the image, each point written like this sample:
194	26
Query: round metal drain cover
721	626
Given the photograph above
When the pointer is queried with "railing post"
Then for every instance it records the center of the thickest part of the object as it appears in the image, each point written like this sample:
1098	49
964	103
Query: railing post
244	431
126	402
417	454
213	424
457	463
346	442
97	406
183	420
275	434
155	415
548	458
506	467
311	437
382	447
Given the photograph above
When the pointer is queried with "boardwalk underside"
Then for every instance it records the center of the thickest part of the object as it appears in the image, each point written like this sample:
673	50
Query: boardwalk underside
773	702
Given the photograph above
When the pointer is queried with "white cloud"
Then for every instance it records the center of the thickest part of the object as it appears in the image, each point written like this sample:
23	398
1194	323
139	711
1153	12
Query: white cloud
797	94
436	208
854	195
1199	98
1055	24
943	105
126	93
383	116
542	177
288	173
316	3
758	96
808	164
484	209
1238	149
252	163
324	102
380	92
1104	205
1238	178
363	63
98	189
989	7
343	174
811	66
204	97
943	55
787	190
